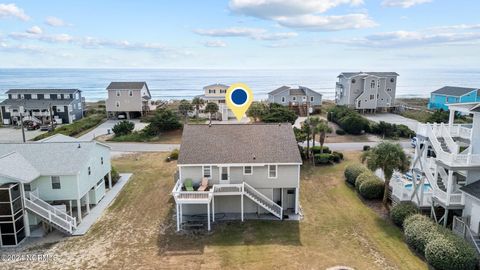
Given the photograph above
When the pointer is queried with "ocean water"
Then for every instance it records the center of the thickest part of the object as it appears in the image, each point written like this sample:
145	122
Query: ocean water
169	84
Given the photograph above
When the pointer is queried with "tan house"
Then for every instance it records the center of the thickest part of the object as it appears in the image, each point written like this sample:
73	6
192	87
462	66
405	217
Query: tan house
216	93
127	99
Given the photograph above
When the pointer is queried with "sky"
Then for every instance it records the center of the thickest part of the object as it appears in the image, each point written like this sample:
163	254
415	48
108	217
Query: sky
241	34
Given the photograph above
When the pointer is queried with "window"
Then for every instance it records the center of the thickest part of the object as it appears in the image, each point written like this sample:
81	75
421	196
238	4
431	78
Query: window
34	96
283	99
56	182
389	89
372	84
27	187
207	171
59	96
211	91
392	80
117	104
118	93
311	98
247	170
372	97
223	91
101	160
89	171
353	81
130	93
304	98
294	98
99	182
272	171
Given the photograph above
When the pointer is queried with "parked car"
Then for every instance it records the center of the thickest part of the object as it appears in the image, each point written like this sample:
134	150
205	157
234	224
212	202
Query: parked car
46	128
30	125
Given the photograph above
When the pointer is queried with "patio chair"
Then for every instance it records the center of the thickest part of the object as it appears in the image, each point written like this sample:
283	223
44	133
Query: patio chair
204	185
188	184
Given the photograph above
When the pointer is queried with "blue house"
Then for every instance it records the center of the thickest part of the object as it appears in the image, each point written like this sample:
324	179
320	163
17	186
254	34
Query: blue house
451	94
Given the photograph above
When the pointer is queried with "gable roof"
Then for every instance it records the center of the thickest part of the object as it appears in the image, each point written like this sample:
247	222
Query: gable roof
238	144
300	91
60	157
472	189
14	166
279	90
454	91
128	86
216	85
42	91
36	103
377	74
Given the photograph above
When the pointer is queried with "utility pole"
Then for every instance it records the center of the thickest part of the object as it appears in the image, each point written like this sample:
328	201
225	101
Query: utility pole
51	116
21	124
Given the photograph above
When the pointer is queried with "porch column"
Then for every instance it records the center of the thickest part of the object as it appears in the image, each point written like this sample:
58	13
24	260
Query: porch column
296	200
181	213
70	206
208	216
87	202
241	206
79	210
110	180
451	118
449	186
178	218
213	208
445	218
281	198
26	224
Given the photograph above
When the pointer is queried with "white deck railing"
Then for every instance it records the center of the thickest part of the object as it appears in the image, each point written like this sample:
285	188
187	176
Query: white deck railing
402	193
462	229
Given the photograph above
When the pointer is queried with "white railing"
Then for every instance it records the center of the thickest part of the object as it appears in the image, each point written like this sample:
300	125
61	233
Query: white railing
402	193
263	200
50	213
443	176
445	133
462	229
456	130
227	188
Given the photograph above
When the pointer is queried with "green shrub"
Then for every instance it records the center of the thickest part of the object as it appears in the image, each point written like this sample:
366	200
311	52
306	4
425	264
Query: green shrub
338	154
279	114
354	124
123	128
337	157
372	189
323	158
317	149
364	176
419	231
401	211
174	154
75	128
353	171
450	252
163	120
115	175
340	132
366	147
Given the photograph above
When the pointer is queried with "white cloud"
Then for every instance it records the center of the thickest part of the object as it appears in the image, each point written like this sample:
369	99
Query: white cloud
21	48
328	23
253	33
215	44
56	38
404	3
36	30
56	22
306	14
281	8
11	10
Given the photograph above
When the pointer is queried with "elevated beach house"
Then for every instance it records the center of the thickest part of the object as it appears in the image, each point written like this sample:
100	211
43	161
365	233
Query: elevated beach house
236	172
439	99
41	105
216	93
127	99
300	95
445	176
49	184
366	91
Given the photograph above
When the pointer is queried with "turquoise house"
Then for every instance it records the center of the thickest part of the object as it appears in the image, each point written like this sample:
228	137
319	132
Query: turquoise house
451	94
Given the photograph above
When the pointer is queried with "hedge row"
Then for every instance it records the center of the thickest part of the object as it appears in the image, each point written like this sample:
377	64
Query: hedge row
401	211
368	185
328	158
442	249
353	171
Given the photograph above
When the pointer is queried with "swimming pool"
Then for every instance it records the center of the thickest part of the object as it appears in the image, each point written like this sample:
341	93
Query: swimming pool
426	187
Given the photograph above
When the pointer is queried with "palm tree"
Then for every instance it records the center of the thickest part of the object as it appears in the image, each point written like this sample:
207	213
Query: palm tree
307	130
322	128
197	102
185	107
313	122
211	108
388	157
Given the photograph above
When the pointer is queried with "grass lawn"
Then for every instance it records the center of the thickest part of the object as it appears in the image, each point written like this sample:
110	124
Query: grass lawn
138	230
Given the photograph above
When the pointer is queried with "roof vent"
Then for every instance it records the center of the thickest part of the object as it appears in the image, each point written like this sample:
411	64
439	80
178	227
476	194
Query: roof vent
79	146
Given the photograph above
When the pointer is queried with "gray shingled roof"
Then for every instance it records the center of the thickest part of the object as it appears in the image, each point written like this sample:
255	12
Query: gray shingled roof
126	85
42	91
216	84
278	90
14	166
472	189
378	74
454	91
238	144
297	92
36	103
300	91
51	158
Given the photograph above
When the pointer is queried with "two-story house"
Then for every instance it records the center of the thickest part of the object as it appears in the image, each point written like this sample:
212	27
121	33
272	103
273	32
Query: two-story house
40	105
237	171
300	96
439	99
127	99
366	91
216	93
446	173
53	182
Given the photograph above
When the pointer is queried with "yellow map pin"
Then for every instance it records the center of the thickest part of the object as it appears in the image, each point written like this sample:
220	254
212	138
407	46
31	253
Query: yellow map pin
239	97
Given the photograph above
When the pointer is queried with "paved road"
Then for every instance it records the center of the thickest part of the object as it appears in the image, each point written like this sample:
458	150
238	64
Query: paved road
10	134
108	125
393	119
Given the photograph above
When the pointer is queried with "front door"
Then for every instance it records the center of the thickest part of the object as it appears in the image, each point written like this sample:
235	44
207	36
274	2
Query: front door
224	175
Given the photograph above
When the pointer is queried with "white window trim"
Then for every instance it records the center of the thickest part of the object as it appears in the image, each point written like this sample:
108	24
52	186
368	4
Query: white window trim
276	171
59	181
117	93
311	98
251	170
294	98
203	171
284	99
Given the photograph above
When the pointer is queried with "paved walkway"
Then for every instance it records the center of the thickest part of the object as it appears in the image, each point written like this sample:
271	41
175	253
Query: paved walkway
97	211
393	119
103	128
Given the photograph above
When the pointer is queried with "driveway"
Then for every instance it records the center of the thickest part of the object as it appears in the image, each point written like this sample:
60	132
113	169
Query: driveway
393	119
10	134
108	125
